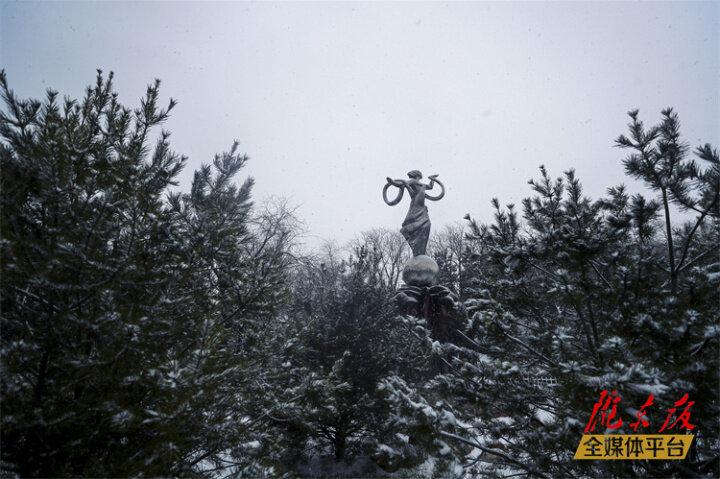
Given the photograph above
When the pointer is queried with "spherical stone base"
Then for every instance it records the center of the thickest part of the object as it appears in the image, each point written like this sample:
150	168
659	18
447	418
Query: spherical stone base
421	270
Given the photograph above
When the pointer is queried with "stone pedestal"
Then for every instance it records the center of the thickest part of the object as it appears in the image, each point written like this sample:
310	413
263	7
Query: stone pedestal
423	298
436	304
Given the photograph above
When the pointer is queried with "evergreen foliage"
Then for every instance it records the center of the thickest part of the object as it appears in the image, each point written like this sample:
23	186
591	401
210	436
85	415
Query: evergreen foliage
337	342
127	311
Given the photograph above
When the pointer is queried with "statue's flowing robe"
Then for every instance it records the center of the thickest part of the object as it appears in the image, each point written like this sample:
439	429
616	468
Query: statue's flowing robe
416	227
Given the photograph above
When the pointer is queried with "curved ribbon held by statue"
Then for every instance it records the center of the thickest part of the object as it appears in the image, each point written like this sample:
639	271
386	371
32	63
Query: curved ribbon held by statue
433	179
399	196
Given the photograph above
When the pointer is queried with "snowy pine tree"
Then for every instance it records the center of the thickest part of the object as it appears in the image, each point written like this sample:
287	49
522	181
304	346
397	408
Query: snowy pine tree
336	343
128	312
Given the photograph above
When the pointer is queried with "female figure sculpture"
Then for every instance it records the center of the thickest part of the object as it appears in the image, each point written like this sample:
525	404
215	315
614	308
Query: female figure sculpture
416	227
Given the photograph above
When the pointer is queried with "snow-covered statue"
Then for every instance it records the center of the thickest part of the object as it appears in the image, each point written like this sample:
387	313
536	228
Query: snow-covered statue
421	270
416	227
421	296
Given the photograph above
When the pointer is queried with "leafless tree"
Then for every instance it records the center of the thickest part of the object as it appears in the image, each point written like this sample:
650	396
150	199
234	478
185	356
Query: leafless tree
388	249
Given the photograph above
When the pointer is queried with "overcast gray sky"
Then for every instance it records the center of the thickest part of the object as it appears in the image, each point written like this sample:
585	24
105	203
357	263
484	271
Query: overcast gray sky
330	98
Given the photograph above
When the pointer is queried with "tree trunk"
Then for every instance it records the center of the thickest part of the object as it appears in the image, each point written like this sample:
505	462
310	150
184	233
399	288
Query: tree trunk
671	247
339	445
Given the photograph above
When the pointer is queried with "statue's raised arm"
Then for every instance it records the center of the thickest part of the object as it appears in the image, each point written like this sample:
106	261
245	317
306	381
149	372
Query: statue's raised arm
390	182
433	180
